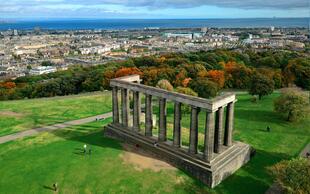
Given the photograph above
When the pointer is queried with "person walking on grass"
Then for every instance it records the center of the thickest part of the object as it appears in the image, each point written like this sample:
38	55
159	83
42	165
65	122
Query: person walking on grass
85	148
55	186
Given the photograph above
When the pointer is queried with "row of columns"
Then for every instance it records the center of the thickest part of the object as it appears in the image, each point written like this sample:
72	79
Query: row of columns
216	133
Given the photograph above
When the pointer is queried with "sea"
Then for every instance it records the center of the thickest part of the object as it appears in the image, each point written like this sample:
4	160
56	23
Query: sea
121	24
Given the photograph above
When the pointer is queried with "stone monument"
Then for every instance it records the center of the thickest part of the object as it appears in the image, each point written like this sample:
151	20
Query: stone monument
221	156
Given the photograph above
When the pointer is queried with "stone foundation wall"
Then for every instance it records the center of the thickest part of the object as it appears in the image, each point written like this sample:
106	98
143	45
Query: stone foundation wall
203	171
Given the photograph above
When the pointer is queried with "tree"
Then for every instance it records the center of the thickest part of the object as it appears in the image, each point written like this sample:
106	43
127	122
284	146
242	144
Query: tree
292	175
124	71
164	84
261	85
303	77
204	87
107	76
186	91
217	76
181	75
7	85
294	105
47	89
194	69
47	63
237	75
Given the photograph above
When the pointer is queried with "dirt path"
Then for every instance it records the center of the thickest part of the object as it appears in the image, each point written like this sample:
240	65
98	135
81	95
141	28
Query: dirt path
35	131
306	150
141	159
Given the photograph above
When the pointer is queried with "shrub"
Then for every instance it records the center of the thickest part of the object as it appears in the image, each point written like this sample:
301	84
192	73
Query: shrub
164	84
294	105
292	175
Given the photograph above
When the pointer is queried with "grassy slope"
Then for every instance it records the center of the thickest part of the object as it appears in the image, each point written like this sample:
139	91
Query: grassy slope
284	141
34	164
48	158
46	111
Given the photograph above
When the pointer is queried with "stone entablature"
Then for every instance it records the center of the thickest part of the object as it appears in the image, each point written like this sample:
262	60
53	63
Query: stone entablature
220	157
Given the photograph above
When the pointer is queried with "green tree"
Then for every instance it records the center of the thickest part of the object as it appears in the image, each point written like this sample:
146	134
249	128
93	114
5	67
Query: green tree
294	105
187	91
47	63
164	84
204	87
47	89
194	69
261	85
292	175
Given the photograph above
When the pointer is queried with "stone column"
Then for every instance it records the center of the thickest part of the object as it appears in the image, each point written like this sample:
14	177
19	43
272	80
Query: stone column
115	105
229	124
193	136
148	115
218	135
177	125
136	111
162	136
125	107
209	137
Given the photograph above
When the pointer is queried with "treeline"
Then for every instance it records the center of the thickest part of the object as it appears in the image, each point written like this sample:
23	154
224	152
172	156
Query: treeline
204	72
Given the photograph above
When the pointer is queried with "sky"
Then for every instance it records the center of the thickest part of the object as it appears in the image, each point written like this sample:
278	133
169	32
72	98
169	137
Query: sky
152	9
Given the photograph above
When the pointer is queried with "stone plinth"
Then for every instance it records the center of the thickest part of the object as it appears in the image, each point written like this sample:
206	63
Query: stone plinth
211	173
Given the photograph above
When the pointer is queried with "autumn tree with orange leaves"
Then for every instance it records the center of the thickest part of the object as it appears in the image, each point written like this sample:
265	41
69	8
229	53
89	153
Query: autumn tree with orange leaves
217	76
8	85
124	71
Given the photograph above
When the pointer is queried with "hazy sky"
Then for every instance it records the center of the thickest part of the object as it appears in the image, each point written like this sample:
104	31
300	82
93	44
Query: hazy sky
153	8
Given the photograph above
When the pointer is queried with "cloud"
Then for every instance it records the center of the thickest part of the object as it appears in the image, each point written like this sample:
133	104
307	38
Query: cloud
123	8
243	4
159	4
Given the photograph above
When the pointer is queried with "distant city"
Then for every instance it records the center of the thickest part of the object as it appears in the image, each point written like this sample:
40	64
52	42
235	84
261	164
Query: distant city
38	51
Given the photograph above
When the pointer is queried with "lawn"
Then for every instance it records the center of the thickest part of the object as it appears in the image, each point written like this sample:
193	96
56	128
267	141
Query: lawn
33	164
21	115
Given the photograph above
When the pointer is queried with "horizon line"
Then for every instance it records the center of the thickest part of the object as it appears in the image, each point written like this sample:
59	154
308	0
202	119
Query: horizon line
120	18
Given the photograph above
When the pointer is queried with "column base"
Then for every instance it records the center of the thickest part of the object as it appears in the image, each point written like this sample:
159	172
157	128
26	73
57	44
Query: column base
211	173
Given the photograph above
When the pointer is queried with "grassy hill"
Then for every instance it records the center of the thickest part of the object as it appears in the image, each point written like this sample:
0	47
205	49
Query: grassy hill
21	115
33	164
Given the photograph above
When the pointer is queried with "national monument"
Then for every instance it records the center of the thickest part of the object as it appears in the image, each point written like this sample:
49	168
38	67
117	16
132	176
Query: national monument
221	156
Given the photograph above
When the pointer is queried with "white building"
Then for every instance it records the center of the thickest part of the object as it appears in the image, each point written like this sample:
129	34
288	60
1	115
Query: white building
179	35
42	70
99	49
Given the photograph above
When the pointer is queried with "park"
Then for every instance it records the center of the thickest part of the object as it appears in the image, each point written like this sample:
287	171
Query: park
35	163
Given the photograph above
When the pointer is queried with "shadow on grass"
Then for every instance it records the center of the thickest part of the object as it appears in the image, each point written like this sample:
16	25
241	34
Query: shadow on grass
48	187
253	177
258	115
86	134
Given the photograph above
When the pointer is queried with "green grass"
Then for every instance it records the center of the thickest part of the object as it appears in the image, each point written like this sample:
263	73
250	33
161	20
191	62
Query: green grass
33	164
46	111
